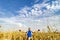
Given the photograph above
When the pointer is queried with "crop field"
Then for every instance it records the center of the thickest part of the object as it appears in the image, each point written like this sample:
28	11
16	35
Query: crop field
35	36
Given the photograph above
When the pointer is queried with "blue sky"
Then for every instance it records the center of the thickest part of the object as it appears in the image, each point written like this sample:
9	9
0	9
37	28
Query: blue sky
16	14
14	5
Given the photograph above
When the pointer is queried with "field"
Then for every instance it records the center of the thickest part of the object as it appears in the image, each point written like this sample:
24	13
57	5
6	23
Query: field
36	36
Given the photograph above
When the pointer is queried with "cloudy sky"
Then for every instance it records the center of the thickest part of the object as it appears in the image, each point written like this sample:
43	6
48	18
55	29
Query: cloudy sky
21	14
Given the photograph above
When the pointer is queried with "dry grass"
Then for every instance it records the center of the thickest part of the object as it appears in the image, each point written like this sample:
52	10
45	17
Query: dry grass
35	36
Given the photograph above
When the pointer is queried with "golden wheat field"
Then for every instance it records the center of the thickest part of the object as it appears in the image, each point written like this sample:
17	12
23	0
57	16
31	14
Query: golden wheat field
36	36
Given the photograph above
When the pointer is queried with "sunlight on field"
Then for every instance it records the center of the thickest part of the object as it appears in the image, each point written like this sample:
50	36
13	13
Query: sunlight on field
36	36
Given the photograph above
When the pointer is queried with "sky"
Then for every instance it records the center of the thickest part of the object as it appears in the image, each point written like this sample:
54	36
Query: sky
36	14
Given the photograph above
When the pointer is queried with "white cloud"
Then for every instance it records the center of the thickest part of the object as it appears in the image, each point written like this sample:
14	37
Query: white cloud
53	21
35	12
35	24
12	24
38	10
55	5
10	21
31	16
44	1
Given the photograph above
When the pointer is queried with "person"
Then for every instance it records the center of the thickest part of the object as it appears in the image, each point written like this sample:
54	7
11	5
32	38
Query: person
19	30
38	30
29	34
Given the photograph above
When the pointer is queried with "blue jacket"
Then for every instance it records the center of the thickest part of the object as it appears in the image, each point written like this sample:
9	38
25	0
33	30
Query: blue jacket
29	33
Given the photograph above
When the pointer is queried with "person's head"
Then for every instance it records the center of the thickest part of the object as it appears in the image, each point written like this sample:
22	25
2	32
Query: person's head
29	28
38	29
19	30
